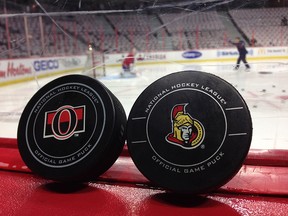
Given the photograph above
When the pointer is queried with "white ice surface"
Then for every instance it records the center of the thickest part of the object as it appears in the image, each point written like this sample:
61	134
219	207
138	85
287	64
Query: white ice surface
264	88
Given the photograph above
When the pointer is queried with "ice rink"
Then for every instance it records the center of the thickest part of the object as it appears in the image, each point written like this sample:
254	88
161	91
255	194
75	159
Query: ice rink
264	88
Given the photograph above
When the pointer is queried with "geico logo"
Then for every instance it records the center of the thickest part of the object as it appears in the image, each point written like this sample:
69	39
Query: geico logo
261	51
45	65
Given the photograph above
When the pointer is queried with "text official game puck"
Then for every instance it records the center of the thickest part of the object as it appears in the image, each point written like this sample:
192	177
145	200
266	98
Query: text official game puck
72	129
189	132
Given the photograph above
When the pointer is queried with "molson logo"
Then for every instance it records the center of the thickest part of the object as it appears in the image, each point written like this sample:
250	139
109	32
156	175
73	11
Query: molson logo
191	54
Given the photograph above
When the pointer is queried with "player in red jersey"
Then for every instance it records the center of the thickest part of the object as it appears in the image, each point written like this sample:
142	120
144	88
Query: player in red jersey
128	62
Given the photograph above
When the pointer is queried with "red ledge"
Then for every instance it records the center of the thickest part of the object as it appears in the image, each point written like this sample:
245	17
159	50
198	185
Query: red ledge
260	157
264	171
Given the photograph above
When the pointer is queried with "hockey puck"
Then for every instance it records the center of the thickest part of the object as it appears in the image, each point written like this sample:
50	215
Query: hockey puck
72	129
189	132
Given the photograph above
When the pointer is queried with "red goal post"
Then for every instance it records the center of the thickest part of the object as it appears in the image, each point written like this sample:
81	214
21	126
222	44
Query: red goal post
95	64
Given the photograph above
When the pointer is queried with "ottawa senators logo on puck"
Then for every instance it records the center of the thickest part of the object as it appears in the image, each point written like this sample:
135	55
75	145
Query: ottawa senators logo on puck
187	133
64	122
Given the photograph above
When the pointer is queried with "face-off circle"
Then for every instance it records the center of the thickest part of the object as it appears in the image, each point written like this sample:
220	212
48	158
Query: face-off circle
72	129
189	132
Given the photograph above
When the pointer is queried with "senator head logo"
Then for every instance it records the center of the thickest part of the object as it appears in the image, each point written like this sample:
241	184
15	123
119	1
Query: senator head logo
187	132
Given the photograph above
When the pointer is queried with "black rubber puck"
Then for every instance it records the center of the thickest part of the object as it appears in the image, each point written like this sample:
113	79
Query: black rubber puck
189	132
72	129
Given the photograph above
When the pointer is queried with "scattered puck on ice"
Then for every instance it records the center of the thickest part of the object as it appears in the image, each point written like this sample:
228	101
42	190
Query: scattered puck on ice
242	89
273	86
283	90
189	132
72	129
265	72
263	90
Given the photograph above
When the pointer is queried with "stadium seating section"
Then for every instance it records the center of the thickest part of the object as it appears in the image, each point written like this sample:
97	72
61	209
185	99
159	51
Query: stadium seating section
34	35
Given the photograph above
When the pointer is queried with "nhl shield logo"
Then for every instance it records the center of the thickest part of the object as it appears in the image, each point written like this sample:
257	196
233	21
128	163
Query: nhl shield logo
187	132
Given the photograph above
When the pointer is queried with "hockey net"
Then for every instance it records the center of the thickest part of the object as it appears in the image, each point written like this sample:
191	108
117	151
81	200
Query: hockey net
95	64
